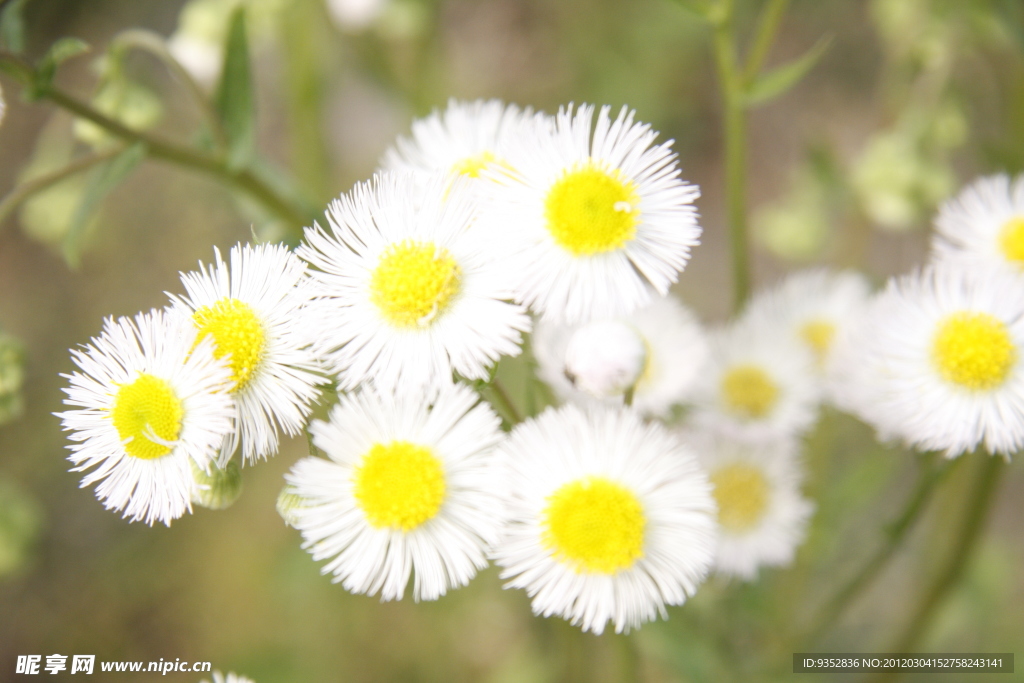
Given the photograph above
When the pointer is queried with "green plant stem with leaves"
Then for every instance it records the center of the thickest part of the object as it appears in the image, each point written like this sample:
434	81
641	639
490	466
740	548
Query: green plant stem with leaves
976	509
932	474
221	166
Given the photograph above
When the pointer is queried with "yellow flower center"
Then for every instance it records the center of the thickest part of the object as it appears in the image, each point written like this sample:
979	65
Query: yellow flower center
973	350
1011	239
147	416
237	335
590	210
399	485
741	491
595	525
472	166
818	334
414	282
749	391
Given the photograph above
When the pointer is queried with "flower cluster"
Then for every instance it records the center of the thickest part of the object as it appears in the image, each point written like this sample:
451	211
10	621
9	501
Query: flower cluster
676	450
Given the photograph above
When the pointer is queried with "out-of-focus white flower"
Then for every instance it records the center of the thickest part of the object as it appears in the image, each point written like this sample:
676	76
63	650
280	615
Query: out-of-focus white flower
605	358
202	58
610	517
758	384
355	15
229	677
674	345
983	226
762	516
467	138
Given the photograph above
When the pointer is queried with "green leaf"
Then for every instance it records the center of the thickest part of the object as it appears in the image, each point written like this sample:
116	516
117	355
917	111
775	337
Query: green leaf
234	100
103	181
12	26
61	51
770	84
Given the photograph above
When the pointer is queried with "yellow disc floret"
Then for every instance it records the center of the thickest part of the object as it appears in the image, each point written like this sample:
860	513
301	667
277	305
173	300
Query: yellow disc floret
973	350
237	335
147	416
399	485
414	282
473	165
590	210
1011	239
595	525
741	492
749	392
818	334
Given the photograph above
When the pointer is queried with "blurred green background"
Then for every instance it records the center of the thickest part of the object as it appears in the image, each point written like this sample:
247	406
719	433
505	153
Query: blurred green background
912	99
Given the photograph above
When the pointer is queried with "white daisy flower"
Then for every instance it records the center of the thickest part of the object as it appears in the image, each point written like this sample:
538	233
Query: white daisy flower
253	311
467	139
596	224
762	517
409	487
937	361
610	518
408	293
674	351
152	402
757	384
983	226
811	306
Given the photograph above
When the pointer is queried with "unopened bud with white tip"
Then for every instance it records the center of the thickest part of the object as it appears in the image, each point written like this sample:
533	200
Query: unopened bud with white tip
605	358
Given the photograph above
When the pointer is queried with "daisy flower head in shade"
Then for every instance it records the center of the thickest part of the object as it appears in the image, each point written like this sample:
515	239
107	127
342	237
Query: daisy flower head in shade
657	350
152	403
596	215
758	383
610	518
983	226
252	309
762	517
936	361
408	487
813	307
408	290
467	138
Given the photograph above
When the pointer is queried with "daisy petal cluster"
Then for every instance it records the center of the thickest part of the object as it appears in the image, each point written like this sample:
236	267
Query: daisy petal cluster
152	403
610	519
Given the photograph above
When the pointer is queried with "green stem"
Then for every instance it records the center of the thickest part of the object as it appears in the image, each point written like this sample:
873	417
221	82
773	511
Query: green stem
28	188
734	115
156	45
506	401
895	533
977	508
242	179
767	27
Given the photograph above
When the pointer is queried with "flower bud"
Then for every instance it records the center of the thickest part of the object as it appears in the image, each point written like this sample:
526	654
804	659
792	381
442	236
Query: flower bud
219	488
605	358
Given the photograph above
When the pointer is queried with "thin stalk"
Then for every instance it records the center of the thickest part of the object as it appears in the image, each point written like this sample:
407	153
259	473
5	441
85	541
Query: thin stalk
976	511
156	45
28	188
506	401
767	26
895	533
241	178
733	110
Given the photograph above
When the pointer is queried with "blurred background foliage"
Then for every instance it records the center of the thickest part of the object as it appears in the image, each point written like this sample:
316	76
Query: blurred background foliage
910	99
